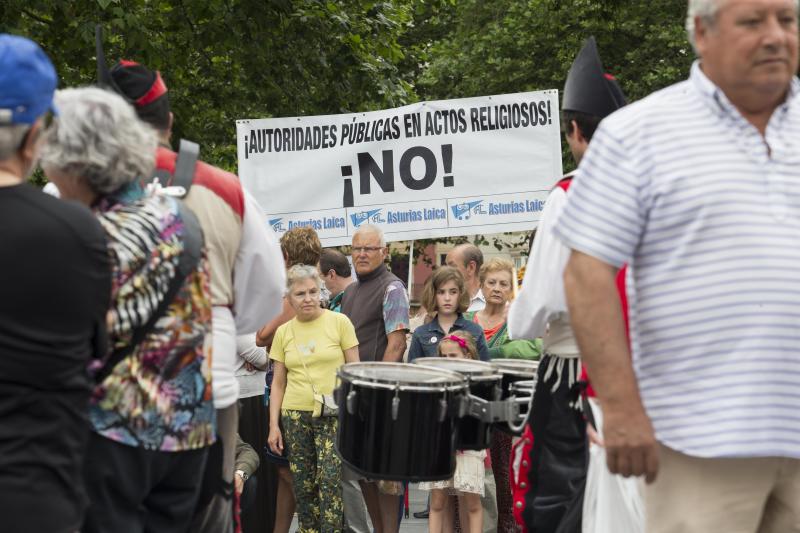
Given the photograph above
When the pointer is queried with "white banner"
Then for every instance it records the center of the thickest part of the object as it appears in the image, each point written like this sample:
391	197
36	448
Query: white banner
433	169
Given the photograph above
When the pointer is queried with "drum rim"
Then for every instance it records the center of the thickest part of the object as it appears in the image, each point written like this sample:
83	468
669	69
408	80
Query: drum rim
457	382
523	383
532	366
488	373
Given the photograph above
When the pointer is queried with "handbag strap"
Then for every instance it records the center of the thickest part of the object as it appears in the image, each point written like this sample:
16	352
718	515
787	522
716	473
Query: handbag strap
185	162
300	356
189	258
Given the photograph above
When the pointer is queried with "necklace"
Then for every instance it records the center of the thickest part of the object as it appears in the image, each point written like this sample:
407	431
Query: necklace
490	322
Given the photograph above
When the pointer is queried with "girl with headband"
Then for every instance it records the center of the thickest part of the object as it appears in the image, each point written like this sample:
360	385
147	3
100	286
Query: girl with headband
467	482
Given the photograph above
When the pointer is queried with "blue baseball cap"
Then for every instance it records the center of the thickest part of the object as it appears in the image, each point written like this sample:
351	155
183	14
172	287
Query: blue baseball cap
27	81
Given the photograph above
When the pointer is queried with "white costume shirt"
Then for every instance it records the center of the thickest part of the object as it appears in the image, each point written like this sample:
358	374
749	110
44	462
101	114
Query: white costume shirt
259	279
251	382
540	308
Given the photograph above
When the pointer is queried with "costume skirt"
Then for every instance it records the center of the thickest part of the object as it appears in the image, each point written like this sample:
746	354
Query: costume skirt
468	477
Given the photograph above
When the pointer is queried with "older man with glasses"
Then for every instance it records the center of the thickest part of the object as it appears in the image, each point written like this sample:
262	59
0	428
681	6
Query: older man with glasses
377	304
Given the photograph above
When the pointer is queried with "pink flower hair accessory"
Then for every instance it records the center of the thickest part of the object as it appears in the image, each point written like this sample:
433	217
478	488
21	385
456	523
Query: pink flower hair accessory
458	340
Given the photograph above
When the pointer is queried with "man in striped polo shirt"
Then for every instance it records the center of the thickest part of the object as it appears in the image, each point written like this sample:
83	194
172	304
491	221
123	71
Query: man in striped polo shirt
697	188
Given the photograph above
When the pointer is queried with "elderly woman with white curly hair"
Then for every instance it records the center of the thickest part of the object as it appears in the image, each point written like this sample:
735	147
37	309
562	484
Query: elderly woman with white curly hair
307	351
151	411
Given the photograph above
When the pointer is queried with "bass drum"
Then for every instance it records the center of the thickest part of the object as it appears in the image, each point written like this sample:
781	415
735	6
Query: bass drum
515	371
483	382
397	421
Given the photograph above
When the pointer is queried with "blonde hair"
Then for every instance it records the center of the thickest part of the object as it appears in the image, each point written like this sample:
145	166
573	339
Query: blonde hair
441	276
496	264
301	246
471	348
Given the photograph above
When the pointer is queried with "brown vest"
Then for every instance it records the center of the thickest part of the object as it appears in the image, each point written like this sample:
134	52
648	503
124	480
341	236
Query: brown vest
362	303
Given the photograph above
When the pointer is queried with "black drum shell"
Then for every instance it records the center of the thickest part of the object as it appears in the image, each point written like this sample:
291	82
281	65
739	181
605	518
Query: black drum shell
473	434
514	371
483	382
417	446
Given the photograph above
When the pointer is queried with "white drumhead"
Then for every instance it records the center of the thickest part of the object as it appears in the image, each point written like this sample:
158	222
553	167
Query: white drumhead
467	367
400	373
523	367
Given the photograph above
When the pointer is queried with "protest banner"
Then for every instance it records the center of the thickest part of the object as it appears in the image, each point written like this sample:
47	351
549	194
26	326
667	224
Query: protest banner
432	169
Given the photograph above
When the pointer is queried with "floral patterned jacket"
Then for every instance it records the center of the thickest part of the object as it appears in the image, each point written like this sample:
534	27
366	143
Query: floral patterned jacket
159	397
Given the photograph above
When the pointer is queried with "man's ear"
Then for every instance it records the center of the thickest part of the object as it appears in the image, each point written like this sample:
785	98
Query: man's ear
31	138
577	133
28	150
701	30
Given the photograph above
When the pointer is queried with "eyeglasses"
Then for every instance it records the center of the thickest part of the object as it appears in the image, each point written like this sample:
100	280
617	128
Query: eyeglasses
366	249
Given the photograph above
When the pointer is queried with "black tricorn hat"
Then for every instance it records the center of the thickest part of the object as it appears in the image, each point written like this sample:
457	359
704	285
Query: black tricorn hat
588	88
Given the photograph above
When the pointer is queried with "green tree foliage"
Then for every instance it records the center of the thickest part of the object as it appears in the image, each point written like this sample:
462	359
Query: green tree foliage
511	46
229	59
507	46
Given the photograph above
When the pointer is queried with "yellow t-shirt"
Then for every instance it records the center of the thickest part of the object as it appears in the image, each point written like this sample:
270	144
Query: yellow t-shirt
321	342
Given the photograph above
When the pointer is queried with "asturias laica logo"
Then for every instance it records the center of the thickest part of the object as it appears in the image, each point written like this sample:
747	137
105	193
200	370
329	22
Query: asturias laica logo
373	216
464	210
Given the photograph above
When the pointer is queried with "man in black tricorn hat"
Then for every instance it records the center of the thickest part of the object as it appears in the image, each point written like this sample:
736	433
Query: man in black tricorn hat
558	461
247	271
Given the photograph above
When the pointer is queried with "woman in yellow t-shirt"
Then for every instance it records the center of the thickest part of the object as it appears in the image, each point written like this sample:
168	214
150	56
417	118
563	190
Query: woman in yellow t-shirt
307	351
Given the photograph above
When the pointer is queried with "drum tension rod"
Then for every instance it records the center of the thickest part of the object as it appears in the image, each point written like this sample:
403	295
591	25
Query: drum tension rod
442	409
352	398
396	402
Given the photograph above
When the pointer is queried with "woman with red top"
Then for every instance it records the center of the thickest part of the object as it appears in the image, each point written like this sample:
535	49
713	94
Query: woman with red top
496	277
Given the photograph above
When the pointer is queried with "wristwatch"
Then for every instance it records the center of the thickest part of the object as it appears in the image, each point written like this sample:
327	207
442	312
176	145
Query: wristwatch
242	474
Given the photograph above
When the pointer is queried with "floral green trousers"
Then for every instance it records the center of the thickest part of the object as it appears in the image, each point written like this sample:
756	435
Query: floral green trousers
316	469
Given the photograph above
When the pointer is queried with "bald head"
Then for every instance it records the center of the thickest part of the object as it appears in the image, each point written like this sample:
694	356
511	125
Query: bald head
468	259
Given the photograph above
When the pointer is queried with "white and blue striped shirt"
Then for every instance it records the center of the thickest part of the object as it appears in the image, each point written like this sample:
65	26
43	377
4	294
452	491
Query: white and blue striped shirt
707	213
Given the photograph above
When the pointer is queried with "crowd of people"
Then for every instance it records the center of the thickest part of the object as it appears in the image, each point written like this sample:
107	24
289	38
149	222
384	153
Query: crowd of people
167	364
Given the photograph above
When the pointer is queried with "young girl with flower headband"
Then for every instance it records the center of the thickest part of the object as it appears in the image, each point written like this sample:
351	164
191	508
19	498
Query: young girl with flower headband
446	298
468	481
